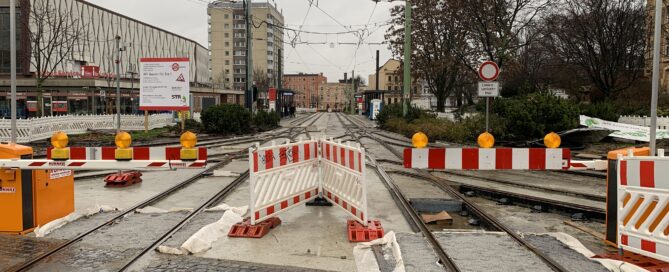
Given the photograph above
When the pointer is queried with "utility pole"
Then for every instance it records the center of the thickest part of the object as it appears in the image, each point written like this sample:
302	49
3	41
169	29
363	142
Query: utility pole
376	79
407	57
656	75
118	84
351	97
248	5
12	67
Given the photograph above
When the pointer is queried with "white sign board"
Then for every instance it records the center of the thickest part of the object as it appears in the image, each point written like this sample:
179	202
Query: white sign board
488	89
164	84
56	174
624	131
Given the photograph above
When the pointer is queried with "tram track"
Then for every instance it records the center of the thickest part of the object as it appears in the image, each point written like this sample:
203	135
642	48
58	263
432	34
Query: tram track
446	187
210	202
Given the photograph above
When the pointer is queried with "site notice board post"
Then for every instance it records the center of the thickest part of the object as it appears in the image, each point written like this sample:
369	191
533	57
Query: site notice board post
164	86
488	72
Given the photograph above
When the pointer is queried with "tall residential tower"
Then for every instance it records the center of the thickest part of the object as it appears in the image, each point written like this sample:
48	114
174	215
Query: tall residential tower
227	42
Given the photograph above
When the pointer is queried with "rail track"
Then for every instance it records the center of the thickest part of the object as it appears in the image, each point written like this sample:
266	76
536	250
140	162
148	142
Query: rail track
212	201
362	131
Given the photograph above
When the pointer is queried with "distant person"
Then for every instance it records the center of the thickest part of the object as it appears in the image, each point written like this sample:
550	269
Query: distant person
292	111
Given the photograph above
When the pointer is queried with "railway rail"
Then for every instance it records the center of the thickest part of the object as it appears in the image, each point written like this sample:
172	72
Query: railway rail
446	187
212	201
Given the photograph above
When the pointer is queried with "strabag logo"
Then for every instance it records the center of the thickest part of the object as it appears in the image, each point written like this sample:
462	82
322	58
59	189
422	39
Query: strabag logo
7	190
175	67
55	163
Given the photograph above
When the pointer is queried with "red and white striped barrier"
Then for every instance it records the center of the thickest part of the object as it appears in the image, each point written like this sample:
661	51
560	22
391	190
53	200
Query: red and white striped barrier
343	177
101	164
138	153
282	177
487	158
643	199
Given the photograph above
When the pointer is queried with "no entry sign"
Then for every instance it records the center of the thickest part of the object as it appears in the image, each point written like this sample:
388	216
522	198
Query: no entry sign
489	71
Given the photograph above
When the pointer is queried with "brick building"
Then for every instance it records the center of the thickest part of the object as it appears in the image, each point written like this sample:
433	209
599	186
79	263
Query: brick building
307	88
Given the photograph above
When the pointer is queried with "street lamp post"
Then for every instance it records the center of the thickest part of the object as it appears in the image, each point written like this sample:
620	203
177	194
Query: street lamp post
656	75
118	84
407	56
12	67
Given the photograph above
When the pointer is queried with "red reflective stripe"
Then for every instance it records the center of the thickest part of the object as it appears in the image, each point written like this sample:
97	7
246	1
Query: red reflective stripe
37	163
537	159
296	154
197	164
255	161
257	215
342	156
360	161
78	153
76	164
334	153
156	164
351	160
284	204
503	158
269	159
566	155
202	153
345	205
270	210
141	153
48	152
578	165
296	199
648	245
283	157
623	173
470	158
307	152
647	174
353	210
624	239
436	158
108	153
172	153
407	157
307	195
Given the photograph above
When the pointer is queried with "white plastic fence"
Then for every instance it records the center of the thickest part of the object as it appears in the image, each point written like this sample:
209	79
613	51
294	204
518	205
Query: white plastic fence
643	202
644	121
282	177
285	176
34	129
343	177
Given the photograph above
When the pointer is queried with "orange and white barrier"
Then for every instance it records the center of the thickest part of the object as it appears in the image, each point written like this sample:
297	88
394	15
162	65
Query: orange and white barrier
487	158
343	177
282	177
643	204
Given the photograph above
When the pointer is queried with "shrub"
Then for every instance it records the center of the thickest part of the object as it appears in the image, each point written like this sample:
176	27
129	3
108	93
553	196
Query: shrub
395	111
603	110
534	115
265	120
227	118
191	125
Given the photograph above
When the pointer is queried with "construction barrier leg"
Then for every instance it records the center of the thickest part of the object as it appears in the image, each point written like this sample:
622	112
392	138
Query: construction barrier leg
320	201
359	233
123	179
644	262
246	230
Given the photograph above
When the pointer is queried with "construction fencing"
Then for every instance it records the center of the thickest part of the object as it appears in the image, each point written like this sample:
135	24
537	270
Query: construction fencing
41	128
643	204
285	176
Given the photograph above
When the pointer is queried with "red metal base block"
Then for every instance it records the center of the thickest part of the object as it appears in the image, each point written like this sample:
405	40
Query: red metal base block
359	233
644	262
123	179
246	230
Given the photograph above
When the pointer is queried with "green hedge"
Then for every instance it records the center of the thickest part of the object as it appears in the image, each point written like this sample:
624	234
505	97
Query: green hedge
265	120
227	119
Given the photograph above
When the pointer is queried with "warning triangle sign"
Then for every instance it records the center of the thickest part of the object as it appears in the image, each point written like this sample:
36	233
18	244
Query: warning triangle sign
181	78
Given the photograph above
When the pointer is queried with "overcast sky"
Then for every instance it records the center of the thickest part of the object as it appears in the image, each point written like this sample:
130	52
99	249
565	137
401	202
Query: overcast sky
189	18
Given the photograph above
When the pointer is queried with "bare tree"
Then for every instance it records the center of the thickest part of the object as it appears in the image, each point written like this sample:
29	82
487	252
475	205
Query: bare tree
497	27
53	34
604	38
439	42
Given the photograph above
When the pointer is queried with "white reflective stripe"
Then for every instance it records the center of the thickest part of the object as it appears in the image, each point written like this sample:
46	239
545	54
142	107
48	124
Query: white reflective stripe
553	158
157	152
419	158
521	158
633	241
453	158
487	159
301	152
356	161
95	153
633	173
276	157
314	150
661	174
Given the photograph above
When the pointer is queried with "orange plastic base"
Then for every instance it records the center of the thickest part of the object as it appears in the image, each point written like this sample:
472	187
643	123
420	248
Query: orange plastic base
359	233
123	179
246	230
644	262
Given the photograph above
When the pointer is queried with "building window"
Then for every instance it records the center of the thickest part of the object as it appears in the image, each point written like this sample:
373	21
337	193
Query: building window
226	35
227	53
227	62
227	71
390	79
225	16
226	26
227	44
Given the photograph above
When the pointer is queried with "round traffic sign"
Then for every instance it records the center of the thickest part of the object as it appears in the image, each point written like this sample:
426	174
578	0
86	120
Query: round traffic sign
488	71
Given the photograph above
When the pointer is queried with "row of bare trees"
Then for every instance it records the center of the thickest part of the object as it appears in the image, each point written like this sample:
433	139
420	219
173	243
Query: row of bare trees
538	44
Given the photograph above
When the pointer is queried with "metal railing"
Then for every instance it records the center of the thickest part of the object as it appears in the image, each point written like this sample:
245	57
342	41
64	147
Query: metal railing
34	129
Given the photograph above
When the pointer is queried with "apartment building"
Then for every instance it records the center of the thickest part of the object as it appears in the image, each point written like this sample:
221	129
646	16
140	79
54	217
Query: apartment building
227	42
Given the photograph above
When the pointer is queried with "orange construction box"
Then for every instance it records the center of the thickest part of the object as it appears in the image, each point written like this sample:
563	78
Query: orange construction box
31	198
